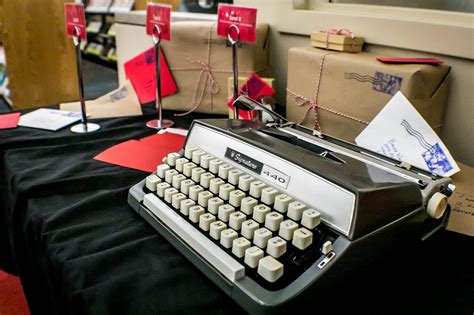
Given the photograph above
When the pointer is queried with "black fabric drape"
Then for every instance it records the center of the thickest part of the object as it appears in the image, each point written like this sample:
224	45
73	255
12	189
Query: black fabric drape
67	230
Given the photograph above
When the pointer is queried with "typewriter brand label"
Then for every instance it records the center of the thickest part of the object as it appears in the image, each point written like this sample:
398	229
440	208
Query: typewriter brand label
244	160
269	173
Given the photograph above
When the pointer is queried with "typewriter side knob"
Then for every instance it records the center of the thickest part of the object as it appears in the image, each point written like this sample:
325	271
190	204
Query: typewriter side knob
437	205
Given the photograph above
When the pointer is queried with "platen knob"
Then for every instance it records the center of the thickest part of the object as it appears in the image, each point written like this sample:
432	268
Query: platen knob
437	205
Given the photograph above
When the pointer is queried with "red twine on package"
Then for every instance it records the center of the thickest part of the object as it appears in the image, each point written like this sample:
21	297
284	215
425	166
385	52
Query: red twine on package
300	100
339	31
206	80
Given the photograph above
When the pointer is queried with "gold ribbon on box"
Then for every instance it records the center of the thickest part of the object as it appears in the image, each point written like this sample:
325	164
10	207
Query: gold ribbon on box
301	100
206	80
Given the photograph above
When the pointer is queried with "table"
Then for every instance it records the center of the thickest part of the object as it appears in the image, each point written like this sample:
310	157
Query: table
66	229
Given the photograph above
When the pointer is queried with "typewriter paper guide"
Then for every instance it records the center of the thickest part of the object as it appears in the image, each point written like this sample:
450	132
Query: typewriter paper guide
400	132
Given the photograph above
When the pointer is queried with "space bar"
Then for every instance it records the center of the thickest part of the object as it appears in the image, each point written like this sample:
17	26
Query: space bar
212	253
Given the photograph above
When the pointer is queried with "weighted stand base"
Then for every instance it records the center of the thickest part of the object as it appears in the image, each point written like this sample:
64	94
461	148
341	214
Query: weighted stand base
165	123
80	128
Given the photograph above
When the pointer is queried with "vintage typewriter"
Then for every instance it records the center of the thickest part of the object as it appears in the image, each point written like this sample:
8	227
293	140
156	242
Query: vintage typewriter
271	212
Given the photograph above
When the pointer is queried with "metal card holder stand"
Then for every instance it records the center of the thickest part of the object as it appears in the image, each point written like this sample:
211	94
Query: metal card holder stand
159	123
84	126
234	42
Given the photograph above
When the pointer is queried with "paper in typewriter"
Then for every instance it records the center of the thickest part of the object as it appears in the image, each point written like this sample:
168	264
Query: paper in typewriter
400	132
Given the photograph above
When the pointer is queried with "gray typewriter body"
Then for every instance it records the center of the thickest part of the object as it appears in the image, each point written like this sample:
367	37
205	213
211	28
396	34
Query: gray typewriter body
368	205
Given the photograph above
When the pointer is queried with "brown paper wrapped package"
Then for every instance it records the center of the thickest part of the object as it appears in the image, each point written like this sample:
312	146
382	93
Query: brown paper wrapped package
201	70
355	87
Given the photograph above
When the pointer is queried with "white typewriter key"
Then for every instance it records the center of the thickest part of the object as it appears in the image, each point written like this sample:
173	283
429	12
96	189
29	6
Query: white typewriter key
214	185
151	182
196	174
302	238
276	246
245	181
247	204
171	158
273	220
179	164
261	237
176	200
169	192
161	169
239	245
259	213
287	228
248	228
295	210
311	218
177	179
214	165
160	189
224	212
234	176
270	269
169	175
326	248
216	229
282	202
185	205
185	184
236	219
203	198
213	205
197	156
225	190
268	195
235	197
194	192
205	221
205	159
252	256
195	212
256	188
206	179
227	237
187	168
188	152
224	171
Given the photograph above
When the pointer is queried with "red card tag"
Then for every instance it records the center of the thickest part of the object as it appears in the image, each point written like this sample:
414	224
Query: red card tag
141	71
245	18
160	15
409	60
255	88
75	18
8	121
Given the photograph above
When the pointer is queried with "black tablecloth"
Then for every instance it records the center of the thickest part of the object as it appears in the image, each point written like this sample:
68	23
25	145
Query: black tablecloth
67	230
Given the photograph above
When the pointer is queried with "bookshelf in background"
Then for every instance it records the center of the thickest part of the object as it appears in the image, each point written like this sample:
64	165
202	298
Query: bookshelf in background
100	46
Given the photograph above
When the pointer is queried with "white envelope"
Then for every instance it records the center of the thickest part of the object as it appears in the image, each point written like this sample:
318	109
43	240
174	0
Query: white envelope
399	132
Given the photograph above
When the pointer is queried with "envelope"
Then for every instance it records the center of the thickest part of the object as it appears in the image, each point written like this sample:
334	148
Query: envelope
120	102
399	132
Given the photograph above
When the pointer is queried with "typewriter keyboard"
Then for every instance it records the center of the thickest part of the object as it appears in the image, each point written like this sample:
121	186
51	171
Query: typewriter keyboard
242	225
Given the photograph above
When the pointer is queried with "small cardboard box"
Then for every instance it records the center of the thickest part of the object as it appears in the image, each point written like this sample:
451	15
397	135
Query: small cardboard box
461	219
353	88
336	42
201	62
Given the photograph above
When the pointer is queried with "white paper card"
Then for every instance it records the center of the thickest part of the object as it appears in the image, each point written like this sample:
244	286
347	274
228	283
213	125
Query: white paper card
399	132
176	131
48	119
